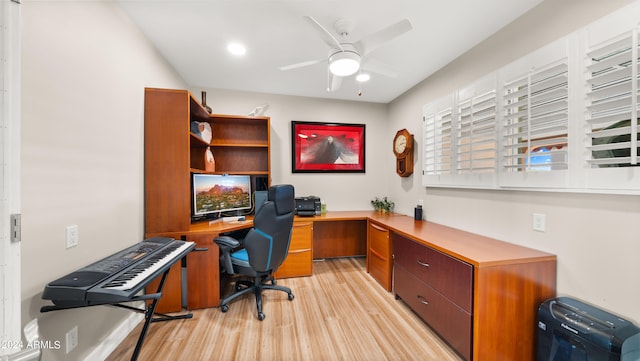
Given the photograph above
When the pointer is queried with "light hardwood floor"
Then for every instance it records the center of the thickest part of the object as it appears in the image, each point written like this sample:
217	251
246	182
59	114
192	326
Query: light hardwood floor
339	313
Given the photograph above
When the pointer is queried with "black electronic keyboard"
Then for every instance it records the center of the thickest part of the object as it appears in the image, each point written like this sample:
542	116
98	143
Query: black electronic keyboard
120	278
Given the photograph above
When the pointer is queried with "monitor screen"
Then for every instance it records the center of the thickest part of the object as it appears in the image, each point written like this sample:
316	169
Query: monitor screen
259	198
215	195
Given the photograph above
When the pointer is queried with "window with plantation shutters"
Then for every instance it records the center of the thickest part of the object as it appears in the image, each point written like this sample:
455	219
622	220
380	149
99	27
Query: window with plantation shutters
460	137
611	125
535	120
437	136
563	117
612	96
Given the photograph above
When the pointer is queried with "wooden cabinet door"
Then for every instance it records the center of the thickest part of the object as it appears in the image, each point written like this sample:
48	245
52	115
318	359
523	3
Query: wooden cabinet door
171	300
166	161
299	260
379	261
203	272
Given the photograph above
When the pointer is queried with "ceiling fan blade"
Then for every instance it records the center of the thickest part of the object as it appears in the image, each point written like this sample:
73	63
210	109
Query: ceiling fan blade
302	65
324	33
333	81
375	66
373	41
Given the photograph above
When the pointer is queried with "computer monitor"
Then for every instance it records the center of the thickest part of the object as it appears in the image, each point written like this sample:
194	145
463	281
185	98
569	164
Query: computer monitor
259	198
216	195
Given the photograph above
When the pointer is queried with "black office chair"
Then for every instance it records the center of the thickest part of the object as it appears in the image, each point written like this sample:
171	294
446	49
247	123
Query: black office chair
262	250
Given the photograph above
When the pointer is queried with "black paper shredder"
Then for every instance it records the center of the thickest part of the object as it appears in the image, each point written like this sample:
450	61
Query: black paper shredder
572	330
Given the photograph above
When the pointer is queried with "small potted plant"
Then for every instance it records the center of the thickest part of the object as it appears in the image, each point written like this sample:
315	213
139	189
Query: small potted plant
383	205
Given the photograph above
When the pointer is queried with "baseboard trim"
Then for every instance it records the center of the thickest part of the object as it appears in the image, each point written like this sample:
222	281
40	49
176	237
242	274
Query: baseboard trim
117	335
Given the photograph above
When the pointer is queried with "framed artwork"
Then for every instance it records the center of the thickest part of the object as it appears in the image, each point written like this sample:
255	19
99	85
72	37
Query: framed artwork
327	147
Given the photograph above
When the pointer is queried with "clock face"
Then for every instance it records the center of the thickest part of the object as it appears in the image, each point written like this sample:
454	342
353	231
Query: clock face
401	143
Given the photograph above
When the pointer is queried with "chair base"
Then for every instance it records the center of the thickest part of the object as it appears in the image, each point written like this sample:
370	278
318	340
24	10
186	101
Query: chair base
259	284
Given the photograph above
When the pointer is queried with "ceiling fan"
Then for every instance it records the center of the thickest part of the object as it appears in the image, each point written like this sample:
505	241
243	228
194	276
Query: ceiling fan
346	57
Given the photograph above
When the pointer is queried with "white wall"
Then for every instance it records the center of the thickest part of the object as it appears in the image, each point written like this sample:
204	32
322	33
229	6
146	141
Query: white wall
84	69
596	237
341	191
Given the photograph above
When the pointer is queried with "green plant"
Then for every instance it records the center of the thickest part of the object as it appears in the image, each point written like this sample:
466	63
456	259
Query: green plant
383	204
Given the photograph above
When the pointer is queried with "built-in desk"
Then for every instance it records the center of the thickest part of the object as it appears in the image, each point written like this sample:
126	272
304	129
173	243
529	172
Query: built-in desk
506	282
334	234
506	285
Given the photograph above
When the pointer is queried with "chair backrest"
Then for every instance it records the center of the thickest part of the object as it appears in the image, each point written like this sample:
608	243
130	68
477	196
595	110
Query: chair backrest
267	244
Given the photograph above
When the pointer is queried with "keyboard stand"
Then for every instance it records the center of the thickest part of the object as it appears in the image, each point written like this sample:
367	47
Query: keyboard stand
149	312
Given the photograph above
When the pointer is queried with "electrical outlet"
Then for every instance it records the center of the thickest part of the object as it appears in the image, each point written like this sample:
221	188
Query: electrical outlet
72	236
539	222
72	339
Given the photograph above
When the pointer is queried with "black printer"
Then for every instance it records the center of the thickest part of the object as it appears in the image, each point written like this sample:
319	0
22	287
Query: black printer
572	330
308	206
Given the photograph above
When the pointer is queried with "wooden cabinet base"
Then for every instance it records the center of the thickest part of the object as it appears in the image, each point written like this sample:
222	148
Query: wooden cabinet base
451	322
343	238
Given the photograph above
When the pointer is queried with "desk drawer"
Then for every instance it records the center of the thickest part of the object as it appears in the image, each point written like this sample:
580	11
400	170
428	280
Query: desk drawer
301	236
451	322
379	259
379	239
299	261
449	276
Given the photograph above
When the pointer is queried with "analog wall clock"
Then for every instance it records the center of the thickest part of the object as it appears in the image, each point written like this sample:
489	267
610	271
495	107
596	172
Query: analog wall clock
403	150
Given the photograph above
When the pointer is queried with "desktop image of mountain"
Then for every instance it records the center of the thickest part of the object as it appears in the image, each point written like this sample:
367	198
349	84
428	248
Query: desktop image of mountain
222	198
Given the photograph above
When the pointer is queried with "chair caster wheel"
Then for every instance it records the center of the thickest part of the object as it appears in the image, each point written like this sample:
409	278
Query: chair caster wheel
260	316
224	308
291	296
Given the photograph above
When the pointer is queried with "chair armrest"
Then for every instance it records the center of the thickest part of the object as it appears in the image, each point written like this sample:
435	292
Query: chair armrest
226	242
227	245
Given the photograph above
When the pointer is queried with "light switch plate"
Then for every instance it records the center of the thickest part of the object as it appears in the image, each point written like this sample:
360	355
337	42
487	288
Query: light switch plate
539	222
72	236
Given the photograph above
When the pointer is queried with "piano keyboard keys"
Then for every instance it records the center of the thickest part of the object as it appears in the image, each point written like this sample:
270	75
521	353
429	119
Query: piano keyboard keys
132	277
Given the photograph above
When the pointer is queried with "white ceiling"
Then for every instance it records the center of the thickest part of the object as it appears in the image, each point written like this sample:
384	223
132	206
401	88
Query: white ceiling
193	34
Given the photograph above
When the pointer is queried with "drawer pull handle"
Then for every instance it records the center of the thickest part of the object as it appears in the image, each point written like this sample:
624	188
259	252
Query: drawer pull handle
422	263
422	300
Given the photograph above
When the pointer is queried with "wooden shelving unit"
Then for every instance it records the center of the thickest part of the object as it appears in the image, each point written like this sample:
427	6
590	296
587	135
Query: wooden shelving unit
240	145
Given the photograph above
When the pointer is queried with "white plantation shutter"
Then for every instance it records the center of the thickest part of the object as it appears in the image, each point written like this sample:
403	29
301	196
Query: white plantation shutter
460	138
476	141
443	139
612	99
476	135
536	117
437	139
612	81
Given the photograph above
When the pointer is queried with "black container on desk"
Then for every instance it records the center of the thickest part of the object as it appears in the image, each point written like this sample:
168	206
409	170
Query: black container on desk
417	213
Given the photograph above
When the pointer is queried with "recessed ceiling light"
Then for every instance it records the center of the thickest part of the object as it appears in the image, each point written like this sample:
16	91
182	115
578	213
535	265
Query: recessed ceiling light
362	77
236	49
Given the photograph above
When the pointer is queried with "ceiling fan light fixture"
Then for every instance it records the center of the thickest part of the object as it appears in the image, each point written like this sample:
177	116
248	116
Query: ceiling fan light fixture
344	63
362	77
